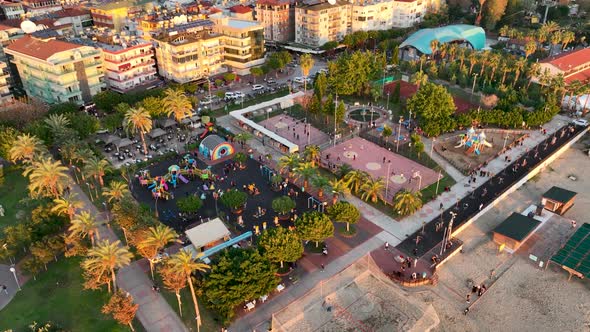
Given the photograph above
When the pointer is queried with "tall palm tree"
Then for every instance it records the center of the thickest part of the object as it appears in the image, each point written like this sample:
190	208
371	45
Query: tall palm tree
177	104
339	188
484	58
289	162
406	202
84	225
157	239
529	48
312	154
47	178
555	39
97	168
115	191
305	171
355	178
519	65
185	264
321	183
138	120
566	38
434	47
306	62
57	123
174	282
534	70
26	148
107	256
453	49
461	56
493	62
67	204
420	78
473	59
372	189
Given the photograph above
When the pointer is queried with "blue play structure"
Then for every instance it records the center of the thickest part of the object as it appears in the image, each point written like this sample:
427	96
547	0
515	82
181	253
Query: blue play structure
225	244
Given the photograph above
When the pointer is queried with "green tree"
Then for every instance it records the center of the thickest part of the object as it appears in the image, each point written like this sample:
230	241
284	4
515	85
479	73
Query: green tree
229	77
387	132
340	112
84	124
280	245
256	72
241	158
493	12
25	148
189	204
84	225
238	275
153	105
320	86
8	137
47	178
97	168
372	189
344	212
305	171
115	191
321	183
283	205
312	154
177	104
107	257
314	226
234	199
434	106
355	178
138	120
156	239
306	62
406	202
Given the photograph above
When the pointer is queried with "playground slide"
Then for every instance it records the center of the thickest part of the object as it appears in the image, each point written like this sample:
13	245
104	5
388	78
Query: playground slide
182	178
486	143
204	134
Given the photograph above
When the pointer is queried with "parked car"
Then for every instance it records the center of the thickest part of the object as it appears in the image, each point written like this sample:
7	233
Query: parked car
230	95
257	87
580	122
239	95
271	81
298	79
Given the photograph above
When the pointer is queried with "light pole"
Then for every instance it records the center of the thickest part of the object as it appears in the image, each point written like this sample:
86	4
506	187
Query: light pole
473	87
89	191
505	139
75	174
387	179
335	124
399	132
106	211
432	146
13	270
419	182
387	101
437	182
447	234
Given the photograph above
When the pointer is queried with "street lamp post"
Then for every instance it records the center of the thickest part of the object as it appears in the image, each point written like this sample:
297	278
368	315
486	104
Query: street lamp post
13	270
106	211
387	179
89	191
437	182
335	123
505	139
399	132
387	101
419	182
432	146
473	87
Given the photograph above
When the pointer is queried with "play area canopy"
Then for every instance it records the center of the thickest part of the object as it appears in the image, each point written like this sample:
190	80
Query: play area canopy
215	147
421	39
574	257
122	143
206	233
157	132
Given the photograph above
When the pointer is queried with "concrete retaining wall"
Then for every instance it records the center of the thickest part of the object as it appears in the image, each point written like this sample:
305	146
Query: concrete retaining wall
522	181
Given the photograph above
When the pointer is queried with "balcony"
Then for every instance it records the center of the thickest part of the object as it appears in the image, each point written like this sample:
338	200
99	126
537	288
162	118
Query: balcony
126	59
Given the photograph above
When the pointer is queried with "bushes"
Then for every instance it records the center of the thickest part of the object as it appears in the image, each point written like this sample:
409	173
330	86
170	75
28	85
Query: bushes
234	199
189	204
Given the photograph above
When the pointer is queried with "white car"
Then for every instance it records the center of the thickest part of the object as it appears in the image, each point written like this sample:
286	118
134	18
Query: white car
239	94
580	122
230	95
257	87
298	79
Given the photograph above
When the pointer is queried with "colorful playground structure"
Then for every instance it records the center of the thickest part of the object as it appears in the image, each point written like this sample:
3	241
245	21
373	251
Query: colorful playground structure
159	185
473	141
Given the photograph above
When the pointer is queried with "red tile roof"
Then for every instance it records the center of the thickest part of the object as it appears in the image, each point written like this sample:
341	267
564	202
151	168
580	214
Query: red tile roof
40	49
71	12
583	76
214	10
5	27
569	60
239	9
273	2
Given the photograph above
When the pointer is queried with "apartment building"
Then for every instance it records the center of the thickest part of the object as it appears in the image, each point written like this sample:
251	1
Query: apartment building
40	7
278	19
6	96
129	62
318	22
241	12
9	73
11	10
407	13
55	71
372	15
189	52
154	23
115	14
243	43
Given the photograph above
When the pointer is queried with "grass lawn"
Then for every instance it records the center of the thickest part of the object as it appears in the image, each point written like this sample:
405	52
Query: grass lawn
57	295
12	191
239	105
209	320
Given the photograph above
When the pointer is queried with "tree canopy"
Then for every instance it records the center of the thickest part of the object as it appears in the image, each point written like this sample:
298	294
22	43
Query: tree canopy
314	226
280	245
434	106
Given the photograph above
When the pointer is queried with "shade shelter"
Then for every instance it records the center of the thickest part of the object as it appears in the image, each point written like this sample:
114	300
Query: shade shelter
167	122
214	147
110	139
558	200
123	143
574	256
157	132
514	231
208	234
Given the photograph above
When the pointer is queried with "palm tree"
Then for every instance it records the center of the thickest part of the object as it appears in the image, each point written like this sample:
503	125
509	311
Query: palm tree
433	47
321	183
312	154
505	67
157	238
355	178
57	123
566	38
84	225
534	70
174	282
494	62
290	162
25	147
305	171
461	56
47	178
574	88
555	39
484	58
339	188
453	49
473	59
177	104
529	48
67	204
107	256
306	62
420	78
115	191
372	189
406	202
185	264
519	65
138	120
97	168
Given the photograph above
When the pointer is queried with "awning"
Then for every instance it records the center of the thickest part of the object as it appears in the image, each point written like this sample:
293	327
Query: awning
208	232
195	118
111	139
122	143
167	122
156	133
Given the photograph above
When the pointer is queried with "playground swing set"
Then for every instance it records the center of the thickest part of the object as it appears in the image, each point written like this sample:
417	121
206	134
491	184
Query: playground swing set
473	141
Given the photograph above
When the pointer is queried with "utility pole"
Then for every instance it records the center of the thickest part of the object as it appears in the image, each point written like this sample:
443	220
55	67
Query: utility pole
399	132
335	122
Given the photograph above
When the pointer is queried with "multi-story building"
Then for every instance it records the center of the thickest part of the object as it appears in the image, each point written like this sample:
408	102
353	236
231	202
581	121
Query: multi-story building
407	13
572	65
277	18
114	15
154	23
372	15
78	18
243	43
40	7
241	12
189	52
318	22
7	35
55	71
6	96
11	10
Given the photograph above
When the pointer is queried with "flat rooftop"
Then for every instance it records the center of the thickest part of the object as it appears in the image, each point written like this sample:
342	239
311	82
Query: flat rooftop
517	226
242	24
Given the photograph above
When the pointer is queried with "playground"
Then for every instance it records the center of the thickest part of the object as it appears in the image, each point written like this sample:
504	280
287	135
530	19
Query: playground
296	131
470	148
162	184
366	156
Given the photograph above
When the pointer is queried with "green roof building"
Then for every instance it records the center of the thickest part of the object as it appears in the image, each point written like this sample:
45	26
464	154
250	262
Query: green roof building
514	231
471	34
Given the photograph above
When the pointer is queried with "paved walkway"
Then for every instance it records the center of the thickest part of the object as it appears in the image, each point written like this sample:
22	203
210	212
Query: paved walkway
258	320
7	279
154	313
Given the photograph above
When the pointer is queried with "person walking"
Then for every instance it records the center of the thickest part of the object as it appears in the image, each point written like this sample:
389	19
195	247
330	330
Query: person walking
322	267
468	298
4	289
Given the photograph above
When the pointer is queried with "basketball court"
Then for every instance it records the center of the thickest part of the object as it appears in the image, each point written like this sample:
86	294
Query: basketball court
366	156
296	131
